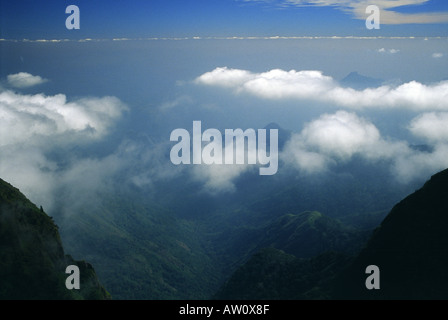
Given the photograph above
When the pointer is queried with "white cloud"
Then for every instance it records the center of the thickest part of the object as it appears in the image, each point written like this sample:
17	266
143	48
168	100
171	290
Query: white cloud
338	137
437	55
432	126
225	77
35	118
24	80
28	169
314	85
408	166
32	127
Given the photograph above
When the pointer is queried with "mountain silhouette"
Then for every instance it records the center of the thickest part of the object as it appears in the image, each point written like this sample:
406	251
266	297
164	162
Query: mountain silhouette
357	81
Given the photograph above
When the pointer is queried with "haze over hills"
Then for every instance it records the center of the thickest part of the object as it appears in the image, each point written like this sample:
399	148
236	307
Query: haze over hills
306	255
179	242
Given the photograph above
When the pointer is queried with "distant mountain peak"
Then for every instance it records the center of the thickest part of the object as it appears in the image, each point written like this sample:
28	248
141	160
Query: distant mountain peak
273	125
356	80
283	134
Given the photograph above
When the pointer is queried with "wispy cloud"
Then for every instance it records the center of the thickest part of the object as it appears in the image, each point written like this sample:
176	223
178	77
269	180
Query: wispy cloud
357	8
391	51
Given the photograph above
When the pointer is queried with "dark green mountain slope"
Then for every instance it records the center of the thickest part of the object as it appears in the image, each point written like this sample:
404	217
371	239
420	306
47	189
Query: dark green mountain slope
32	259
274	274
310	233
141	250
410	248
296	257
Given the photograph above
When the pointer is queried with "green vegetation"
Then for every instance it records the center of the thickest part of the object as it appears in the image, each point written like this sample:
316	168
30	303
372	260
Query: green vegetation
257	244
141	251
272	274
409	247
176	242
32	259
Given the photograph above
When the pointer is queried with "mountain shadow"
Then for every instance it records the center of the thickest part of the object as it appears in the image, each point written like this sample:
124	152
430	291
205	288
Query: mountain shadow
32	258
410	248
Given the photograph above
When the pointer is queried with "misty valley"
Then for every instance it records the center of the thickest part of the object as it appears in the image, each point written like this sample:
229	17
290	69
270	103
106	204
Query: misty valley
176	243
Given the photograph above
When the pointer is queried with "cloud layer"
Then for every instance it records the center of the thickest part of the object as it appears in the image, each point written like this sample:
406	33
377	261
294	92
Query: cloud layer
335	138
35	126
315	86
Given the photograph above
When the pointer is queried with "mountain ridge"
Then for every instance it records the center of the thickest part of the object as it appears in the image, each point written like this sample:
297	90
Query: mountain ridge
410	248
32	257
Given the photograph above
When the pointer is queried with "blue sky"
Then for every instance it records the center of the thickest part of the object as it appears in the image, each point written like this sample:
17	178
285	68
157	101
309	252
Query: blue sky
28	19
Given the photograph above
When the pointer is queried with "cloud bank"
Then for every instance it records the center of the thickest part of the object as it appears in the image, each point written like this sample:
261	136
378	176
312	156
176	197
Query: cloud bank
315	86
337	138
36	118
